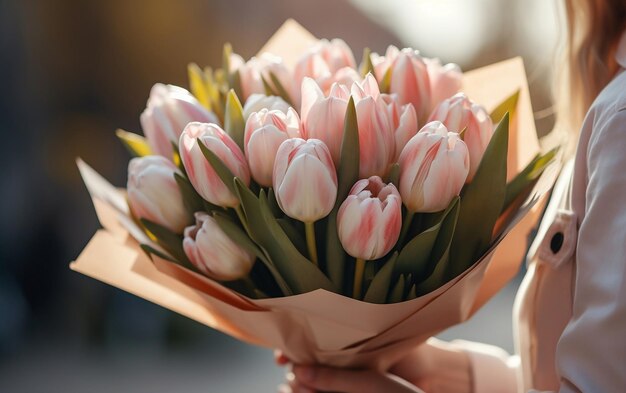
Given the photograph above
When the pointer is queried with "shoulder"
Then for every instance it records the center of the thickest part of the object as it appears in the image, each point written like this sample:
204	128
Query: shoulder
608	116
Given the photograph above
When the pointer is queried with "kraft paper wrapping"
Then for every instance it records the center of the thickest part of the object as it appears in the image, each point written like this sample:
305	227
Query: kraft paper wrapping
320	326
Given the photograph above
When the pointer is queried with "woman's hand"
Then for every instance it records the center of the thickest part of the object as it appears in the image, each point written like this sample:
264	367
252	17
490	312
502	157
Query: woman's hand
434	367
310	379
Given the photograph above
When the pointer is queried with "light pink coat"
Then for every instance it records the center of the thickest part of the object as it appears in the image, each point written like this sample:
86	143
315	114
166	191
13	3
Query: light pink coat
570	312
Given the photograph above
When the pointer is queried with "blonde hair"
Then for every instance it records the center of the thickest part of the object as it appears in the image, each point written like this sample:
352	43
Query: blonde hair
588	63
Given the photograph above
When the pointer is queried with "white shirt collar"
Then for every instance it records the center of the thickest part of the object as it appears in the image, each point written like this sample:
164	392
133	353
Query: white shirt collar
620	55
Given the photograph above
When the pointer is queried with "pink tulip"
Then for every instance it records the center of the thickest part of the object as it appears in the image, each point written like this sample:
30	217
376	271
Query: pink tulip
376	129
323	116
153	193
202	176
409	77
369	220
445	80
213	252
168	111
459	113
256	102
264	133
256	69
326	63
305	180
404	121
433	168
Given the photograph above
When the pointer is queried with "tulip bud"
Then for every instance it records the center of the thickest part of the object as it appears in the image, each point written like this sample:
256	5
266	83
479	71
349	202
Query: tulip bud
153	193
168	111
326	62
445	80
305	180
376	129
459	113
433	168
265	131
369	220
323	116
256	102
404	121
201	175
213	252
256	69
409	77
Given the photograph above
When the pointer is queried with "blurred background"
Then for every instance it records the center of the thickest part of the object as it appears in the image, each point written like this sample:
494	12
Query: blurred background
73	71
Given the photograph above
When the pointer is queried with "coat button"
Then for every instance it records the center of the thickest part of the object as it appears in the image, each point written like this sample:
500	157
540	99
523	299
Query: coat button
557	242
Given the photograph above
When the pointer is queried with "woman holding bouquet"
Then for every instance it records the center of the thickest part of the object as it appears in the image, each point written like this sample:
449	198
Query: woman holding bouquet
570	313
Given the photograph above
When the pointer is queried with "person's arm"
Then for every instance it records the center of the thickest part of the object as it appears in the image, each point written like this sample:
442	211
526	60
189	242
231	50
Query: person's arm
591	354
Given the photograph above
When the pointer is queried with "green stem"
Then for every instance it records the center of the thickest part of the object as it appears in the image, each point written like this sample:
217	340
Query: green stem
358	278
242	218
406	224
310	241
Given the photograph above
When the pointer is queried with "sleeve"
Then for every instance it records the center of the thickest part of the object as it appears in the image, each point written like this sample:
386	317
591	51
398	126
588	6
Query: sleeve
591	353
493	369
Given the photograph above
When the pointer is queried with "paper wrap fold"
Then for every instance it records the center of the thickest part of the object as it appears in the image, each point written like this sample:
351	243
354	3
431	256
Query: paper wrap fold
320	326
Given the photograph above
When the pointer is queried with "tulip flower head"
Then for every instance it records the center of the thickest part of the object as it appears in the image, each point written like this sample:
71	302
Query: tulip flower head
257	69
169	110
404	120
369	220
265	131
323	115
459	113
409	77
376	129
256	102
153	193
213	252
201	175
434	165
305	180
445	80
327	62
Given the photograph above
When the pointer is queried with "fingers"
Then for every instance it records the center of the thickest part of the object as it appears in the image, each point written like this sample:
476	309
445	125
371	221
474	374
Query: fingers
348	381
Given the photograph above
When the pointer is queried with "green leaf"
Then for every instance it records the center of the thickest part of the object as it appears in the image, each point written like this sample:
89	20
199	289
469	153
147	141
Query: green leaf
149	250
414	257
294	236
224	173
348	174
397	293
509	105
137	145
234	123
274	206
439	266
269	90
350	156
300	273
236	234
335	254
531	173
394	175
280	89
385	84
198	85
193	202
170	241
366	66
379	287
482	202
412	293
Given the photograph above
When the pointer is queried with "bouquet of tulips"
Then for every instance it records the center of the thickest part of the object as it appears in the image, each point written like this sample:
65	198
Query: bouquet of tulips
364	185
